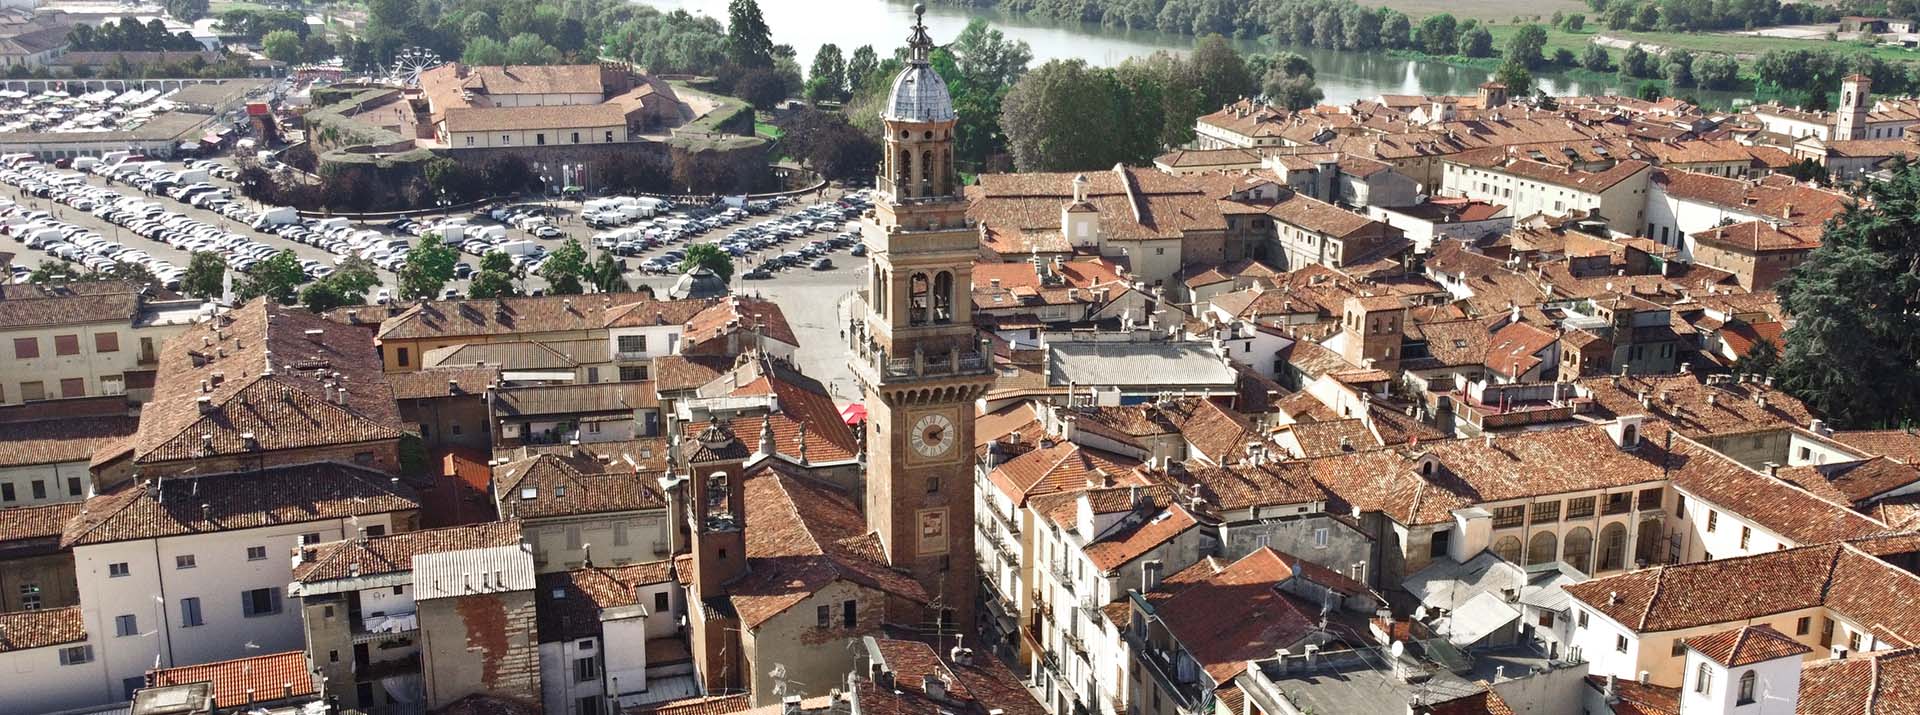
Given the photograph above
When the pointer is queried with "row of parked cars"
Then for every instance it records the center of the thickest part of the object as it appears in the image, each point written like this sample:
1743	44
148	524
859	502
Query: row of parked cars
40	231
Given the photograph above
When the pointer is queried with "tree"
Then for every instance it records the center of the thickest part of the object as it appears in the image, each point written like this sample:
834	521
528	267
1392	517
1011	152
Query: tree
496	277
186	10
1061	117
1436	36
827	79
1678	68
1762	359
1650	91
1563	57
1219	72
1574	23
1526	44
59	271
428	268
1856	305
282	46
1290	83
137	273
1596	59
1808	170
1396	30
827	143
1517	78
710	257
565	269
276	278
205	276
322	296
1477	42
353	278
860	65
761	88
605	275
1637	63
979	67
1715	70
749	40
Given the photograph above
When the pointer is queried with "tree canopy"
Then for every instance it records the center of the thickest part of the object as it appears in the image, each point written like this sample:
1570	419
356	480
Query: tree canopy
710	257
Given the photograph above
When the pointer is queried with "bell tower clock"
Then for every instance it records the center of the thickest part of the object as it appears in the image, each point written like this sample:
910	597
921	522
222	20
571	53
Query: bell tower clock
914	348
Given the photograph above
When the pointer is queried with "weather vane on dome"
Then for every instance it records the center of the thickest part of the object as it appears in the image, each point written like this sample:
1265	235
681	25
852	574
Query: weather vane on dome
920	43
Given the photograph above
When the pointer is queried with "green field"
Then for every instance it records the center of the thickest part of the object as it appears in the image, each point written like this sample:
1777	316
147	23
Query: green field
1502	11
766	130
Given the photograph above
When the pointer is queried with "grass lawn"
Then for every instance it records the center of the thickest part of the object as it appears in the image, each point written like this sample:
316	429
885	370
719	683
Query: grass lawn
766	130
220	6
1483	10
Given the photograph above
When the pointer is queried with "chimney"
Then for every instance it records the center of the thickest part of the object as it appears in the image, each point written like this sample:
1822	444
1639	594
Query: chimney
1645	677
961	655
933	686
1773	468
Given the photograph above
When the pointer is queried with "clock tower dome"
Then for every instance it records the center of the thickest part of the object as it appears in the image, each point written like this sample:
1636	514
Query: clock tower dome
920	363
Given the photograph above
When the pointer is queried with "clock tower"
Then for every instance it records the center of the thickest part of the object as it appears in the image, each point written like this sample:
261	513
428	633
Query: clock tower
919	361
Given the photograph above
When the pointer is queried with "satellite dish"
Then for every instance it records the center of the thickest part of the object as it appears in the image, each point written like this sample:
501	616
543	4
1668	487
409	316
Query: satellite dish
1398	649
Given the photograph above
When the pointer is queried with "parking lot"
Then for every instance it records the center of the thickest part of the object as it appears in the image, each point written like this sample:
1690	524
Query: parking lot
104	217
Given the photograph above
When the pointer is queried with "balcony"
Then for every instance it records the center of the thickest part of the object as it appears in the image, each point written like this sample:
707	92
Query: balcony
1078	644
1006	521
1060	574
632	355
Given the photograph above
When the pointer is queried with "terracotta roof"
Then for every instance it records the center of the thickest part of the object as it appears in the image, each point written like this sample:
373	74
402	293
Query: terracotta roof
1779	199
1771	502
514	355
522	315
1743	337
1148	526
736	315
1682	402
26	630
1134	204
442	382
574	399
570	601
266	373
1879	683
1484	702
1236	614
31	305
1746	645
672	373
36	522
801	537
1725	591
1900	445
74	439
698	705
1515	349
1216	431
244	681
497	80
1759	236
1856	482
548	485
1062	466
1335	436
1638	698
393	553
1321	217
231	502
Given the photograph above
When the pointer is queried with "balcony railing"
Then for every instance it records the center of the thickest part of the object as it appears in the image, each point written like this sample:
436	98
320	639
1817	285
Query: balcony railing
627	355
1075	642
1061	574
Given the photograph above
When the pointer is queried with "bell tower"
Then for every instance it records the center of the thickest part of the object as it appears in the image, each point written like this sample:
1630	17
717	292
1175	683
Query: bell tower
914	349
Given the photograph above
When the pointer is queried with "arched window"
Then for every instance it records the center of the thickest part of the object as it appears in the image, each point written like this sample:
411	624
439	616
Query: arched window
1702	679
1613	547
926	173
918	302
1577	549
1541	548
1630	437
1508	549
1651	535
1747	682
943	298
717	493
903	173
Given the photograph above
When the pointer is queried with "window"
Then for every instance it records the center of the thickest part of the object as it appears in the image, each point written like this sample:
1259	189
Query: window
585	669
74	487
506	139
260	602
589	705
1320	538
1679	648
620	537
1508	516
1438	547
1803	626
540	139
1650	498
576	137
33	391
1854	641
376	529
39	489
1619	503
573	537
24	348
849	614
183	561
933	485
106	342
609	136
1746	688
660	604
1546	512
310	538
363	458
1702	678
1679	506
593	374
126	625
66	345
73	387
633	343
1713	520
128	685
76	655
190	612
1746	536
6	492
822	616
256	553
1620	643
1583	620
118	570
401	357
469	140
1581	508
1826	632
631	373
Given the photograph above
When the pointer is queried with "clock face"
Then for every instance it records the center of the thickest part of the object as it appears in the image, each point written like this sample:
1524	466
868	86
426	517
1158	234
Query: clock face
932	436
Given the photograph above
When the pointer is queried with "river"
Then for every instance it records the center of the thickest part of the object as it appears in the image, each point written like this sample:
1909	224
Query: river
1343	76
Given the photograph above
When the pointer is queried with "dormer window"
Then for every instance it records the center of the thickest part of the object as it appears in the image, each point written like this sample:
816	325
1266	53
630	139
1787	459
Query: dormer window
529	492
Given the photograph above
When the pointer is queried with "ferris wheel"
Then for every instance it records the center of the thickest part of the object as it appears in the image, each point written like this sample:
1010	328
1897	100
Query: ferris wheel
410	62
